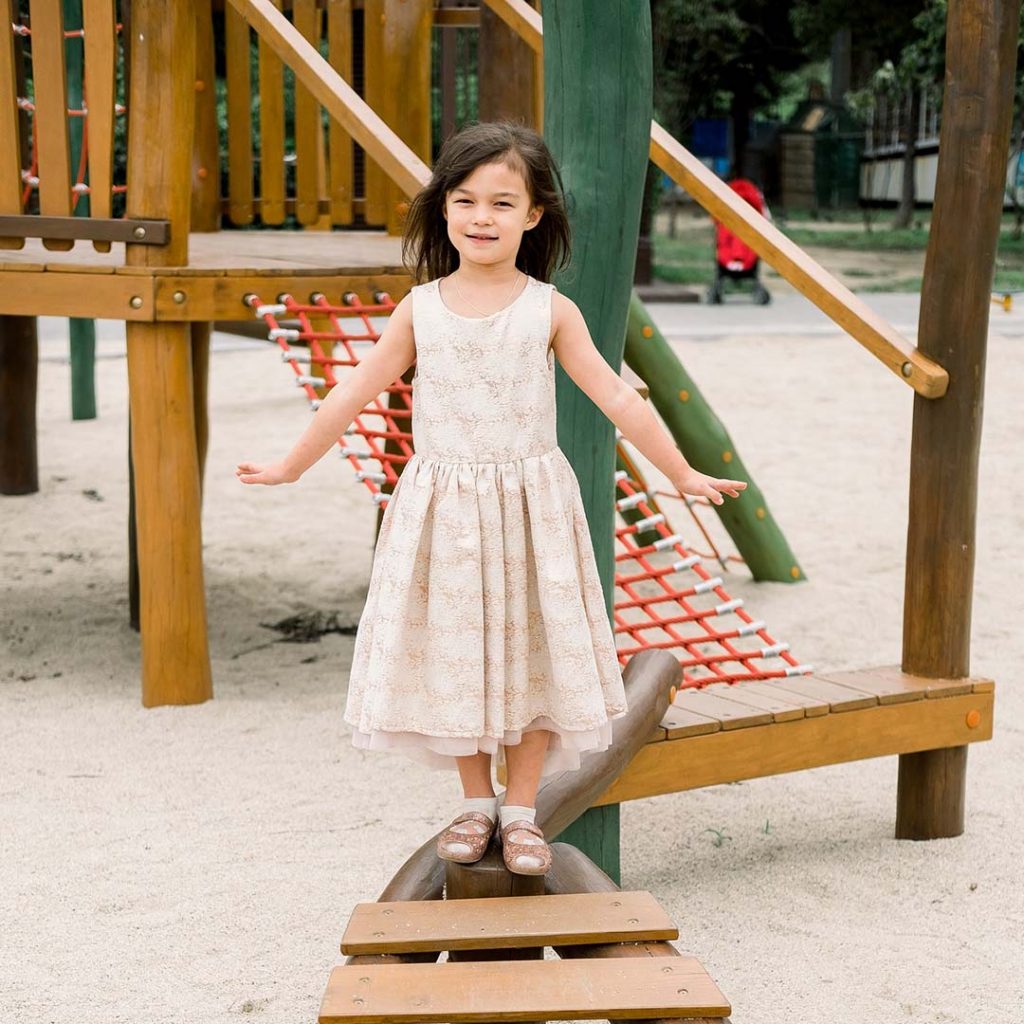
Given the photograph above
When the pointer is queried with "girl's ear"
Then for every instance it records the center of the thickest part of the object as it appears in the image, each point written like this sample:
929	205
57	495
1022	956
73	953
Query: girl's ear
534	217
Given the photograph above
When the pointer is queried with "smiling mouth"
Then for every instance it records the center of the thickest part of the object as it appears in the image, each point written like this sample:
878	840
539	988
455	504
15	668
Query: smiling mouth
484	238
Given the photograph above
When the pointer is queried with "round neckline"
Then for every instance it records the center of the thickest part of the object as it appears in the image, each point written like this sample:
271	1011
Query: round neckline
490	316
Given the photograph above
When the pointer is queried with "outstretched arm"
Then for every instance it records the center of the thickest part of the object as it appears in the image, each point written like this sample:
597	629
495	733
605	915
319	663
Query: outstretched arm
580	358
390	357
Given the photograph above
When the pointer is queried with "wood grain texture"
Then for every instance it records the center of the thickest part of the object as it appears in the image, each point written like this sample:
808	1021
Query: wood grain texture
730	755
521	990
496	923
271	84
99	22
340	164
49	80
206	214
239	89
10	145
309	139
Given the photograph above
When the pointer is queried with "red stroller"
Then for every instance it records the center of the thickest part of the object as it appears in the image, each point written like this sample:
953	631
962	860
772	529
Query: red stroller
735	260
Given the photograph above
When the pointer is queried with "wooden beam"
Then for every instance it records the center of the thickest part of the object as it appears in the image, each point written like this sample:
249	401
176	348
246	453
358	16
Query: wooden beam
101	296
981	50
336	95
730	755
19	369
100	26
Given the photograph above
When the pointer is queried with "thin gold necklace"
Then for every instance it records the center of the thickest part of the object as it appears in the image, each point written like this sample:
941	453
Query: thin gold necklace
458	291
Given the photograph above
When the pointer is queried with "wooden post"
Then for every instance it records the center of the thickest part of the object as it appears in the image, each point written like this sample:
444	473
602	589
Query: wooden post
206	157
19	362
597	124
175	656
981	44
507	72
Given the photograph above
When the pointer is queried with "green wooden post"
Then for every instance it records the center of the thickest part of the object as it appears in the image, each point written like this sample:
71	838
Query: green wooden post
703	439
82	331
597	117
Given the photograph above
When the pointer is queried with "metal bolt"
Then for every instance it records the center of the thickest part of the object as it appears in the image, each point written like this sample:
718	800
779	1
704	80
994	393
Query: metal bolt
139	232
666	970
907	369
179	297
135	302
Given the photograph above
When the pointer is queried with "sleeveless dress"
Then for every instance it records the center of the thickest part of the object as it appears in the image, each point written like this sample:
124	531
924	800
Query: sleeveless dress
485	617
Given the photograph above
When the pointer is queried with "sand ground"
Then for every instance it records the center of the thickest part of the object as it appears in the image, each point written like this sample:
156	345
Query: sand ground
198	864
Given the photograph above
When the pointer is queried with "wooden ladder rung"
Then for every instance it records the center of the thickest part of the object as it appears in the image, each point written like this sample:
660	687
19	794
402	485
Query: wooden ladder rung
509	990
506	922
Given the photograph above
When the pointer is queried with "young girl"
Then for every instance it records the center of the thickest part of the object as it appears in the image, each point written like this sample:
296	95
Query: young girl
485	629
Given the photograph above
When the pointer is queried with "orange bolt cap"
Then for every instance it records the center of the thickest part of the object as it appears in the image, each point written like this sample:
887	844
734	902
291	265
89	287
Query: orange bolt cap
973	718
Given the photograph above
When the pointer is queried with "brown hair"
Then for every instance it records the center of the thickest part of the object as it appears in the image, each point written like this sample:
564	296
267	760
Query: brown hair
426	249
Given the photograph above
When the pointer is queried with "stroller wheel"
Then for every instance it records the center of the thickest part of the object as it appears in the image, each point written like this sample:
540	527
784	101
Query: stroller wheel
763	296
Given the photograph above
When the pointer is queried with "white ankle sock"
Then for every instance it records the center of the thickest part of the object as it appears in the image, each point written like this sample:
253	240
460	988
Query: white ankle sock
484	804
515	812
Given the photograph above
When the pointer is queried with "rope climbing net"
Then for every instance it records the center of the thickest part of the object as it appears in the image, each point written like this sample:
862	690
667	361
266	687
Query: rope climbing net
665	597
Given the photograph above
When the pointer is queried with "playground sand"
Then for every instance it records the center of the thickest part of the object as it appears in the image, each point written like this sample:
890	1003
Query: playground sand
198	864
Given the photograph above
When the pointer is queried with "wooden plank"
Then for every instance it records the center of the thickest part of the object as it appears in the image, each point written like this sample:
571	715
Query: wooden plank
735	754
271	209
100	296
502	990
334	93
49	79
505	923
107	230
891	685
340	163
221	297
756	701
731	714
308	131
236	55
100	24
679	722
10	146
810	706
206	214
840	698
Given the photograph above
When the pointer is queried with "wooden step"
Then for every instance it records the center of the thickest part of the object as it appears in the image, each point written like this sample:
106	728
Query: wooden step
505	922
521	990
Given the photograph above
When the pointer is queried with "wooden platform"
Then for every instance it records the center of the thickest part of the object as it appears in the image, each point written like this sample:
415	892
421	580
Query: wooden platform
223	267
609	965
725	733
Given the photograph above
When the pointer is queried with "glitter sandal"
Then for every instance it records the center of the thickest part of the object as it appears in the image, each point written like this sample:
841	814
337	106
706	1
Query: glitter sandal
473	842
525	858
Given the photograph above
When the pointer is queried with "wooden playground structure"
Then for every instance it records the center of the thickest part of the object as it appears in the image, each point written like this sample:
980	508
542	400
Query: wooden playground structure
169	271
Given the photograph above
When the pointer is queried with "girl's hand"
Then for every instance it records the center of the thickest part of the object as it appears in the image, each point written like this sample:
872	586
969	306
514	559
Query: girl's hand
251	473
701	485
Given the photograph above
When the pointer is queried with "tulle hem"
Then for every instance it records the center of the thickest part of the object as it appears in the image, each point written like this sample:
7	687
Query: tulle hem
565	746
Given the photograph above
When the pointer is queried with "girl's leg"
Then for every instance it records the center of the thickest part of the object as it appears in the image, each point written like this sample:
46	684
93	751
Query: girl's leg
475	773
525	761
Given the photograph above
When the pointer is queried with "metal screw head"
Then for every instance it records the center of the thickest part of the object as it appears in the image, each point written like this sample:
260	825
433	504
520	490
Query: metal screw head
179	297
135	302
139	232
907	369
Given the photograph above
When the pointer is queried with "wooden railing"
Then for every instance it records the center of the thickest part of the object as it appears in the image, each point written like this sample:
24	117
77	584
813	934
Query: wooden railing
834	299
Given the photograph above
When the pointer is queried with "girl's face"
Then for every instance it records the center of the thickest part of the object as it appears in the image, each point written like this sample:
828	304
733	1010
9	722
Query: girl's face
487	214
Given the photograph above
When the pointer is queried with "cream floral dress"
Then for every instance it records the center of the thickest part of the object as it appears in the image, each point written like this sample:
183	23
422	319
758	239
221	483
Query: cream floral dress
485	616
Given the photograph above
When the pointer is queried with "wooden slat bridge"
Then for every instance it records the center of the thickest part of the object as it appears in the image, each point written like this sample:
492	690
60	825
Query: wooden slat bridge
632	971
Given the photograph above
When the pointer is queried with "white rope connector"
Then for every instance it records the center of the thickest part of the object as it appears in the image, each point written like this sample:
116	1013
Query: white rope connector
272	310
307	378
774	651
799	670
377	478
750	628
345	452
314	404
631	501
283	333
705	585
80	187
621	474
380	497
645	524
296	356
686	563
729	606
667	542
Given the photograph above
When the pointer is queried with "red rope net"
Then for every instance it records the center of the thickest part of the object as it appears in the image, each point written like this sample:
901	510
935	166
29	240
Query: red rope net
664	596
